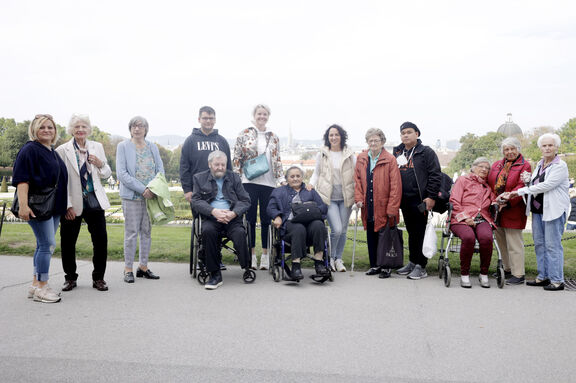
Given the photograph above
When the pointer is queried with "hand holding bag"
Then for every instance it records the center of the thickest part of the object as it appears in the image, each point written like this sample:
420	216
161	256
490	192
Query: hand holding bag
390	251
429	247
305	212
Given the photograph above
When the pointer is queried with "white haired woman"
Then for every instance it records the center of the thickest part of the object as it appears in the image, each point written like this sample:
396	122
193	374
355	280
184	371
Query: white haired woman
137	163
86	164
505	176
549	202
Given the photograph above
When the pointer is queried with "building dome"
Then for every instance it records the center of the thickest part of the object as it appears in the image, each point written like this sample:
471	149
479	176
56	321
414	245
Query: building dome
509	128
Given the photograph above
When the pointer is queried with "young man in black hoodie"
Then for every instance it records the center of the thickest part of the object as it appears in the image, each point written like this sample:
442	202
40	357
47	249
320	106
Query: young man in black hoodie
421	178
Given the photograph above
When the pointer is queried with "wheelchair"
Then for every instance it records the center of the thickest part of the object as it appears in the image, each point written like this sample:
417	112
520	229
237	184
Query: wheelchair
453	244
278	254
197	255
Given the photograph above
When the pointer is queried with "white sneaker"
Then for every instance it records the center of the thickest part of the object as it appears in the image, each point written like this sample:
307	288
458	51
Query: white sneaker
46	295
340	266
264	262
31	290
465	281
254	265
332	264
484	282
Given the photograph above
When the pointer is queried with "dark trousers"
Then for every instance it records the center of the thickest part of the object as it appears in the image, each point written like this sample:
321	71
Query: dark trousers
212	232
300	236
69	231
259	196
372	242
416	227
468	236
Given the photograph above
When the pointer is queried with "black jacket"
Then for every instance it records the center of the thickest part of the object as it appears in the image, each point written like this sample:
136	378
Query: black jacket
205	189
195	151
427	168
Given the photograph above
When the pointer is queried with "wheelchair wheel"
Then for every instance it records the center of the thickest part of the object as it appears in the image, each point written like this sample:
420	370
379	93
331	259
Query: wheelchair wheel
276	273
447	274
202	277
331	276
196	227
249	276
271	250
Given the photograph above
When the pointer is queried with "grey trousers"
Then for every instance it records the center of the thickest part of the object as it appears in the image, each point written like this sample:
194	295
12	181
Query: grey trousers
136	223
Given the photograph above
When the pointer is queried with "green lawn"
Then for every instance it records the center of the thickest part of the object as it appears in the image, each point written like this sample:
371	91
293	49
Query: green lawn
172	243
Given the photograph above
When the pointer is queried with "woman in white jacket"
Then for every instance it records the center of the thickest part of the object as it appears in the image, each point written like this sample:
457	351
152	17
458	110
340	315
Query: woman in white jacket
333	179
549	201
86	164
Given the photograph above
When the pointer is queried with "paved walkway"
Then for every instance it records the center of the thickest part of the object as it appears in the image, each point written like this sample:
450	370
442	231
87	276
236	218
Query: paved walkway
358	328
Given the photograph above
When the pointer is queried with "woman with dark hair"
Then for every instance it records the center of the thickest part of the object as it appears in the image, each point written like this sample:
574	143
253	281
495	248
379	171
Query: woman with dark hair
137	163
251	143
333	179
37	167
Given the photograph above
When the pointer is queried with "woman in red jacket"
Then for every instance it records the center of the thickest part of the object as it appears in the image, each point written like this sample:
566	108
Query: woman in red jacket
378	191
471	220
505	176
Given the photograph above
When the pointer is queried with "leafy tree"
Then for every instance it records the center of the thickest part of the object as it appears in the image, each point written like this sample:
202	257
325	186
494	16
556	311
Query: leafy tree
173	167
13	138
568	135
166	155
474	147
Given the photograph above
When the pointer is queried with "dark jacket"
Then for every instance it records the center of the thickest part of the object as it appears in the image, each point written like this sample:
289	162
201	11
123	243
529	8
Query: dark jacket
513	214
194	158
205	190
280	203
427	167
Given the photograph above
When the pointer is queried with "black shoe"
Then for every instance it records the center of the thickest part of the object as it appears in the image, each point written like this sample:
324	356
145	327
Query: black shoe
69	285
515	280
222	266
148	274
215	281
129	277
554	287
321	268
507	274
538	283
374	271
296	272
385	273
100	285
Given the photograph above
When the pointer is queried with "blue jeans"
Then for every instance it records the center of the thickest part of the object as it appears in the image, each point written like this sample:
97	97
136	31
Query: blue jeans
338	216
548	246
45	233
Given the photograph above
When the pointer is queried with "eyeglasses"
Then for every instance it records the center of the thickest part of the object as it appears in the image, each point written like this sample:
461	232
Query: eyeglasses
138	127
43	116
374	141
483	167
207	118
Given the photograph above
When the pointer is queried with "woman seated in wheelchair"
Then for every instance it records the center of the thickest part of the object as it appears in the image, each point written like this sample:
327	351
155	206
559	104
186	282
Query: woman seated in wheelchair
471	219
299	215
220	199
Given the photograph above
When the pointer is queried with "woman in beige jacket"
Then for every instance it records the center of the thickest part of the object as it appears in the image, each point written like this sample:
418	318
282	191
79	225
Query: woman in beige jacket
333	179
86	164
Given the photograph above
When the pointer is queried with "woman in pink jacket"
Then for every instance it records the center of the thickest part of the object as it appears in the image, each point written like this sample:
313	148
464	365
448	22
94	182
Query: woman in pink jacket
471	220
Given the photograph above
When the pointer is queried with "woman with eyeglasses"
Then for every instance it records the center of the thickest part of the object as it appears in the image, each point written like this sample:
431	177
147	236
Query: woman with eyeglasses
86	164
251	143
137	163
472	221
37	166
378	191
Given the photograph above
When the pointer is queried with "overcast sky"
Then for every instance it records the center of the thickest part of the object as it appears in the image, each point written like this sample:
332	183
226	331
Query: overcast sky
451	67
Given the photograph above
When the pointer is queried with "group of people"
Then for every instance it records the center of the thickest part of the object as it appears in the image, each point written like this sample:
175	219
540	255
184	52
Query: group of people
223	185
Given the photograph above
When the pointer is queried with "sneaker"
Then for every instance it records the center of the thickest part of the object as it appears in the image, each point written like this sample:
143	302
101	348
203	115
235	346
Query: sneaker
340	266
254	265
332	264
465	281
129	277
385	273
215	281
405	270
374	271
320	268
222	266
418	273
296	272
31	290
515	280
46	295
484	282
264	262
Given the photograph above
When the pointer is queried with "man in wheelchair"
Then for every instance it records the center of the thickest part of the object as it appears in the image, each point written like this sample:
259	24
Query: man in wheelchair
298	214
220	199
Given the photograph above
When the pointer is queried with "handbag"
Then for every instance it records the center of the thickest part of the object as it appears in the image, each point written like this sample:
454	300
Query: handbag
390	251
40	201
429	246
257	166
90	201
305	212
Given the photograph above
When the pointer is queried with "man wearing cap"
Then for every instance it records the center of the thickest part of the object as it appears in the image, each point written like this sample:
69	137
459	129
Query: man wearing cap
421	178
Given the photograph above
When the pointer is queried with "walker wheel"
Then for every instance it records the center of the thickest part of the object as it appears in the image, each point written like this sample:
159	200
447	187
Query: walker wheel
501	277
447	275
440	266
